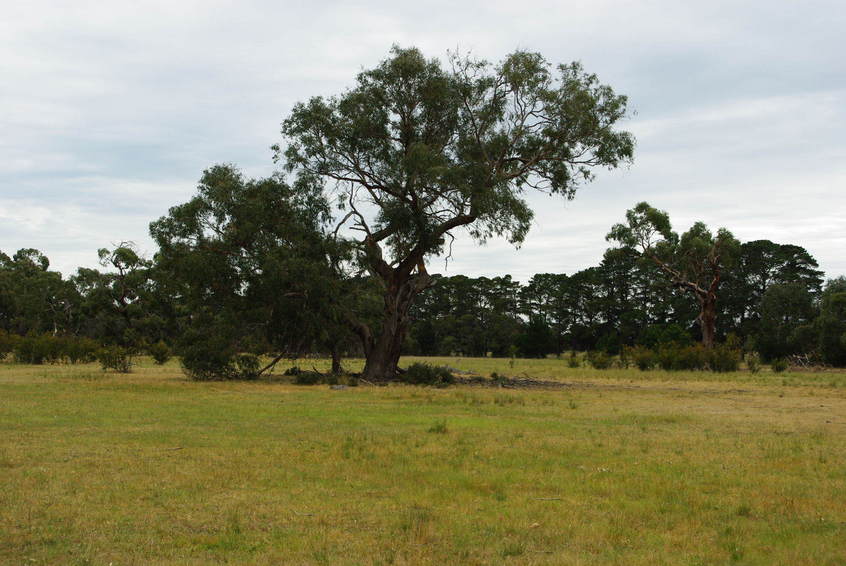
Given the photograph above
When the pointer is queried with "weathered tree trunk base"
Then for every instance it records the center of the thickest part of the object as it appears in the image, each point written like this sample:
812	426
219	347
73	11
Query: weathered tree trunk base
336	362
383	353
708	322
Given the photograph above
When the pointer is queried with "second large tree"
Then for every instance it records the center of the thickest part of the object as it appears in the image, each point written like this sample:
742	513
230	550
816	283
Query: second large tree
417	150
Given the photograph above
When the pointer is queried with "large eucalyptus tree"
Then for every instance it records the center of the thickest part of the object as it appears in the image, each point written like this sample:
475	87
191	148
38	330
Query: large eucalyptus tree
418	150
695	262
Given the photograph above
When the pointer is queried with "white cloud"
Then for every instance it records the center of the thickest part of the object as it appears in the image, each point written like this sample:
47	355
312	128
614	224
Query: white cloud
111	111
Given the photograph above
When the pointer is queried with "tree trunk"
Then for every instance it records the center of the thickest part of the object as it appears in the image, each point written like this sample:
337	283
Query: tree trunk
384	350
336	360
708	319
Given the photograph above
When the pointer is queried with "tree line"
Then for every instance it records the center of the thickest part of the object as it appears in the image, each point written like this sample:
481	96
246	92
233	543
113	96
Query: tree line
773	300
330	253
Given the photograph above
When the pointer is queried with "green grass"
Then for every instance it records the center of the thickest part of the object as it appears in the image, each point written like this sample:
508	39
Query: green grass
623	467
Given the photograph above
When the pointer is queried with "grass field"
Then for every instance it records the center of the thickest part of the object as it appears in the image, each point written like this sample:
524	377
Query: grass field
621	467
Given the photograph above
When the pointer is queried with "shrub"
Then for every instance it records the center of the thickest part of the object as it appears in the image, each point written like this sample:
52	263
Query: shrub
693	357
599	360
80	350
573	361
667	356
212	357
115	358
7	343
37	349
160	352
304	377
753	363
779	365
427	374
723	358
642	357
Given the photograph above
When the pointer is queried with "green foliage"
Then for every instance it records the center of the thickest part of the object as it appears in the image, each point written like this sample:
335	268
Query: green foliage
695	357
115	358
600	360
643	358
38	349
573	360
693	262
785	308
79	350
211	354
723	358
427	374
418	150
831	324
7	343
160	352
536	340
255	269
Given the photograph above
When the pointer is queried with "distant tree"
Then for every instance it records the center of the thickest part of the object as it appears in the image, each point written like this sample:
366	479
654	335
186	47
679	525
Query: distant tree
761	264
831	324
416	151
536	339
694	261
545	296
33	298
785	309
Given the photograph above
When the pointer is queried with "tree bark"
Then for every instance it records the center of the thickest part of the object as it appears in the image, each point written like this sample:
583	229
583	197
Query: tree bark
708	319
336	360
383	351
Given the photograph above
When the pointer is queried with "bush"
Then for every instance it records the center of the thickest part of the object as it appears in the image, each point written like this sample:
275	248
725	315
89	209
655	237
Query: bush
753	363
38	349
779	365
643	358
693	357
7	343
599	360
80	350
115	358
723	358
304	377
160	352
208	356
426	374
573	361
667	357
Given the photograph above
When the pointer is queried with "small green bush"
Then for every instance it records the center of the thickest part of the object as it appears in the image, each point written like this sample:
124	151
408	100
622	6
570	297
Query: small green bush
116	358
643	358
38	349
723	358
600	360
694	357
572	360
80	350
160	352
667	356
779	365
427	374
7	343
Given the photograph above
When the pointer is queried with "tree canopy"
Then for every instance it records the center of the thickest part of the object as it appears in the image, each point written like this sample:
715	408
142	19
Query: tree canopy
417	149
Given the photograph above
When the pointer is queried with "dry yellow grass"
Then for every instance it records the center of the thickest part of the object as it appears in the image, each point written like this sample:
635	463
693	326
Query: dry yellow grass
623	467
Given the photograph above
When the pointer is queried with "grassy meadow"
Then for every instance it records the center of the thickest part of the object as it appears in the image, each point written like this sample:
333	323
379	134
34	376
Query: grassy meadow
618	467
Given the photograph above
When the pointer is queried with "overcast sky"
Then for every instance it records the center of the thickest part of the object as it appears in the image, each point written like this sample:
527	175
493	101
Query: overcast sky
110	111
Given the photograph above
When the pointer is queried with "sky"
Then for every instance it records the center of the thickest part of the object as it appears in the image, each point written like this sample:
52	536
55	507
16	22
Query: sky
109	112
